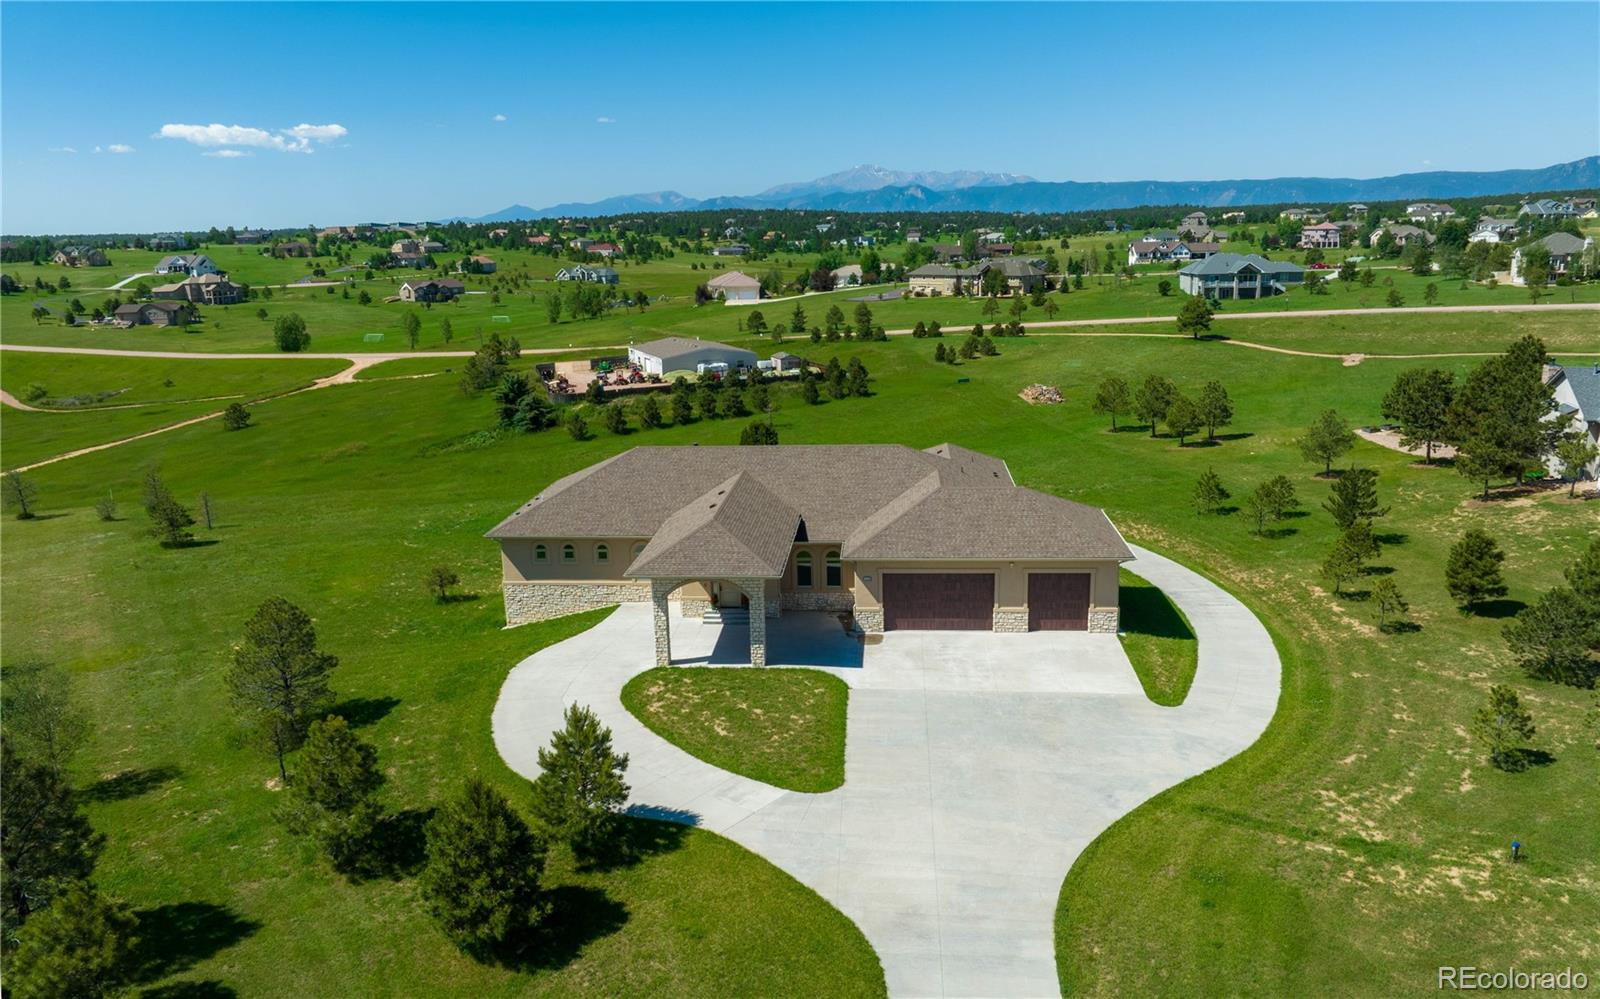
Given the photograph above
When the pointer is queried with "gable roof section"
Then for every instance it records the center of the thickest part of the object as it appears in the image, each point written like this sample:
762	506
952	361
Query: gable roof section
736	528
1585	382
1232	263
1562	243
671	347
733	279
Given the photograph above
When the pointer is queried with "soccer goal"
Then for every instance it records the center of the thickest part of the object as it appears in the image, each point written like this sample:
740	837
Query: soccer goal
500	319
372	337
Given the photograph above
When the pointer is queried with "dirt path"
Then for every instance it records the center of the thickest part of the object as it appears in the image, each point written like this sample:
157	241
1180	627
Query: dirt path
129	280
6	398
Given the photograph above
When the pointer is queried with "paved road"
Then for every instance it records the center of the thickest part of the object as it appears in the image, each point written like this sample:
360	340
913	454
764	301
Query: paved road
978	767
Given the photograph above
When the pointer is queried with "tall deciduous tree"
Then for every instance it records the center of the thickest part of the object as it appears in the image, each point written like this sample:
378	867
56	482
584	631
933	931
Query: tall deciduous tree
1151	400
289	333
1327	439
1419	401
580	789
1575	452
18	494
1113	398
481	879
279	678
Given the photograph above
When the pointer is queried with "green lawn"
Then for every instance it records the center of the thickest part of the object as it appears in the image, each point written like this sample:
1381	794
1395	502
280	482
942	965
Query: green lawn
1158	639
781	726
1316	862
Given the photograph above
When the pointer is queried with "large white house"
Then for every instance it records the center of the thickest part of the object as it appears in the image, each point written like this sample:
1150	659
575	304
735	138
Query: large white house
735	286
1576	388
678	353
1563	247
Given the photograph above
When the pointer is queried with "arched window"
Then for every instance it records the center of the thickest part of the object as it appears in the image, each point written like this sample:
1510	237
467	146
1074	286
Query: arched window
802	569
569	553
602	553
638	548
541	553
835	570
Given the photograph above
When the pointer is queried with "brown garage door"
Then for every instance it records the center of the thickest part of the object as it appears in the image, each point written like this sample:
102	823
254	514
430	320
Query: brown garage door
1058	601
938	601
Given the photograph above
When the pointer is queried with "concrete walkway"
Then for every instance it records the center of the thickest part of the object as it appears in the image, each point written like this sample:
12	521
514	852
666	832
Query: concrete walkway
977	768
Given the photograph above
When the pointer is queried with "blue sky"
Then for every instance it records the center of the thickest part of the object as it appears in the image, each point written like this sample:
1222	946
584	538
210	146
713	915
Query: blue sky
370	111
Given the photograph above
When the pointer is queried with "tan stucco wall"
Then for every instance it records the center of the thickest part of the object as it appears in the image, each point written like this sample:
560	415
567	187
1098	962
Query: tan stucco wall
819	570
518	564
1010	583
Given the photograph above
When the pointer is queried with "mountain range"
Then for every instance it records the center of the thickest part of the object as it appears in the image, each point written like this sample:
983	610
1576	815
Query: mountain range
876	189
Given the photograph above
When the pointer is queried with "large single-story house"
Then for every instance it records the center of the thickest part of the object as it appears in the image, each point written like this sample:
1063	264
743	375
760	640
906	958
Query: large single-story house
1154	251
583	272
187	263
202	289
735	286
736	250
431	290
1323	235
1576	390
155	314
1549	208
168	241
680	353
1022	276
293	248
1429	211
475	265
847	276
1563	246
900	539
1239	275
1402	234
81	256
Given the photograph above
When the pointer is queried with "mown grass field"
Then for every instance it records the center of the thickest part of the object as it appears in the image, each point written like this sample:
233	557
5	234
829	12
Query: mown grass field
1318	862
781	726
1158	639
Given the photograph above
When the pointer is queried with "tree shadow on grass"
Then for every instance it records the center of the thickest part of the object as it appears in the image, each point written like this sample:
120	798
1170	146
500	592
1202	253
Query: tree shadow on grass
1391	538
174	938
1501	608
1377	570
196	543
1517	760
129	783
398	847
457	598
1399	627
578	916
1241	435
640	834
209	989
359	712
1147	611
1276	533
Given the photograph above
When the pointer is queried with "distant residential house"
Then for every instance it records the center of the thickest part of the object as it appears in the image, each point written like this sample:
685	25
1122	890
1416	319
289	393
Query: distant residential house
607	250
155	314
1022	276
1154	251
187	263
947	251
784	361
996	249
1199	251
847	276
864	240
431	290
1493	231
1429	211
201	289
1575	389
81	256
409	258
1403	234
249	237
1563	246
580	243
1585	207
1233	216
733	250
408	245
1323	235
1194	218
1163	235
1297	214
168	241
1235	276
475	265
499	233
913	235
992	237
1549	208
735	286
539	240
431	246
1357	209
295	248
583	272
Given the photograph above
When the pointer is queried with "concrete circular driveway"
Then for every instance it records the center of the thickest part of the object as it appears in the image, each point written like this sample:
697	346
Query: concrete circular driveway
977	767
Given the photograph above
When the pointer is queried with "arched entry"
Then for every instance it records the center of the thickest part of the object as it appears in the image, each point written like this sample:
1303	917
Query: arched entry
754	596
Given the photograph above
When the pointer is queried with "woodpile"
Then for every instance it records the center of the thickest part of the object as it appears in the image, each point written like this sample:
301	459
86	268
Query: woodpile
1047	395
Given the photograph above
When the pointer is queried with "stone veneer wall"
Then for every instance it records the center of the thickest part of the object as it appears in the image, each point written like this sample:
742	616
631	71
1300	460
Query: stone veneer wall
1010	620
528	602
1103	620
870	619
695	607
838	602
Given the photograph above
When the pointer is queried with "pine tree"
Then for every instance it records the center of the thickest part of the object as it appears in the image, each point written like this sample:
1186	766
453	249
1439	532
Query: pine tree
169	520
1183	417
682	409
1354	497
279	678
1552	638
1472	570
1269	501
80	948
856	379
1388	604
1209	492
481	879
1150	402
649	412
1419	401
580	790
1194	318
1215	408
614	417
1502	724
45	840
1329	437
331	798
1112	397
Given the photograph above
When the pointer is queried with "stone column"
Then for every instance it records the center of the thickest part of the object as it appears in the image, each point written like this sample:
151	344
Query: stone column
756	589
659	589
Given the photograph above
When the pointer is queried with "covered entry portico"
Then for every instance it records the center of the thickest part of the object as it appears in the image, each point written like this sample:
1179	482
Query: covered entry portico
755	591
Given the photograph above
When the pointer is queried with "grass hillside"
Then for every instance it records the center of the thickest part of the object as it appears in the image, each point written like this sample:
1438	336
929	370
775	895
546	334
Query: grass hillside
1317	862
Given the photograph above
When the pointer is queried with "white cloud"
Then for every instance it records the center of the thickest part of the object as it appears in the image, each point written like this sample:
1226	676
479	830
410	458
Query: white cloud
226	154
604	120
63	149
119	147
498	117
287	140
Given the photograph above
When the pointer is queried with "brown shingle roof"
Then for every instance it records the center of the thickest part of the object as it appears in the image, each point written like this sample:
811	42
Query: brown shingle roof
880	501
737	528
